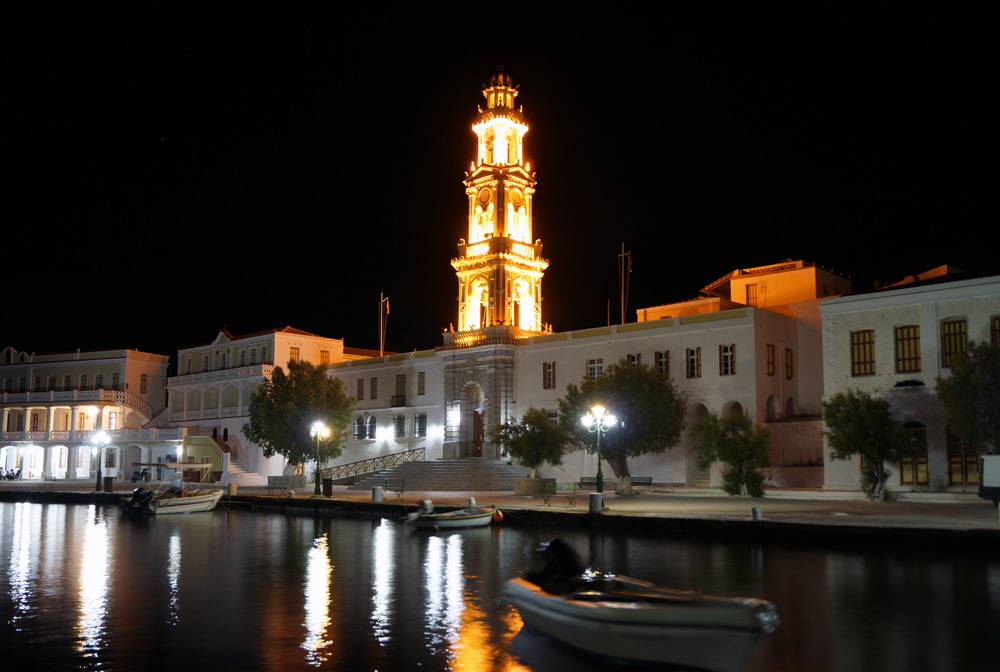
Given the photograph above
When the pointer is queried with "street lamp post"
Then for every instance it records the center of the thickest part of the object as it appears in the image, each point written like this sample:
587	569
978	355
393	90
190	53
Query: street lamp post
101	439
598	421
320	432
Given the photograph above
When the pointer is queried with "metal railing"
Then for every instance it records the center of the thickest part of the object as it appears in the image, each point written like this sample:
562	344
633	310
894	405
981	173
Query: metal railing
373	464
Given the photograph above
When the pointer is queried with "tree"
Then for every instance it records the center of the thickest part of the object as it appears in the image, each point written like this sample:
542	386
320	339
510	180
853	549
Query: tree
737	443
533	441
971	395
860	424
283	409
648	408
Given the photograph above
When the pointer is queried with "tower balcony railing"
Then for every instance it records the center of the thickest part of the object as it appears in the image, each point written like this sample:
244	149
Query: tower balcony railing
499	334
499	245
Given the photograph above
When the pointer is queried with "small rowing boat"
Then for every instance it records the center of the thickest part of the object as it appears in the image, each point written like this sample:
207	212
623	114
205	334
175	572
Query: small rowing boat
636	621
171	501
473	516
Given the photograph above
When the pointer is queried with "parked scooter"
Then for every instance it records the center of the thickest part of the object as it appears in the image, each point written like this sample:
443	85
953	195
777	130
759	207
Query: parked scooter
140	475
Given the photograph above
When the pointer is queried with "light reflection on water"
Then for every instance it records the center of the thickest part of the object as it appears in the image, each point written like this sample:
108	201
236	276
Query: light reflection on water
86	589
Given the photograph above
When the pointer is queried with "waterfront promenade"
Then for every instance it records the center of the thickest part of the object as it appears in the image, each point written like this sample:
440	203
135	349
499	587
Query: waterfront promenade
822	508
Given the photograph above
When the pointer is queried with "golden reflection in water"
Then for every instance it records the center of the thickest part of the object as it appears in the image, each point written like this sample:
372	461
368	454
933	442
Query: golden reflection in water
444	590
383	562
93	584
174	576
20	563
318	572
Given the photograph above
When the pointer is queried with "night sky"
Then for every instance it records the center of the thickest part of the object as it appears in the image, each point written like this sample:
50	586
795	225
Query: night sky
178	169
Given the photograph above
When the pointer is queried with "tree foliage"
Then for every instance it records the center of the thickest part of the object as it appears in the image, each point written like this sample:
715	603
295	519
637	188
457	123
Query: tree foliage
648	408
860	424
737	443
533	441
284	408
971	395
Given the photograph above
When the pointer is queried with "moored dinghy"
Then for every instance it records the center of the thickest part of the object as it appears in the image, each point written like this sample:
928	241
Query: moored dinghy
632	620
473	516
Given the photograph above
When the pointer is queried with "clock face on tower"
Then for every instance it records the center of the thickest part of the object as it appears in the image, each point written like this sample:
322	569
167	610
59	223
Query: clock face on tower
515	197
484	196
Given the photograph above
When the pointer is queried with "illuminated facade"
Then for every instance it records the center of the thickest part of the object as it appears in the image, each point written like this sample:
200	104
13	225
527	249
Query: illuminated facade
210	395
499	264
53	407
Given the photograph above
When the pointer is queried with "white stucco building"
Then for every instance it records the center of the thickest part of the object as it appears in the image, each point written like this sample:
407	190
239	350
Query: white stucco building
895	343
210	397
57	409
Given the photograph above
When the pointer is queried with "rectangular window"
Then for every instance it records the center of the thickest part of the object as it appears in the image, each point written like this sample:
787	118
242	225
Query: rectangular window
548	375
52	383
37	387
420	425
863	353
908	348
399	426
110	457
114	381
293	354
752	295
553	417
663	362
361	389
727	360
595	368
634	359
324	357
143	382
694	362
373	389
400	384
421	375
954	339
99	381
66	383
770	359
789	369
83	381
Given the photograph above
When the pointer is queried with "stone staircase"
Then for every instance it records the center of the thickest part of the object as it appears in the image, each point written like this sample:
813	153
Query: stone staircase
450	475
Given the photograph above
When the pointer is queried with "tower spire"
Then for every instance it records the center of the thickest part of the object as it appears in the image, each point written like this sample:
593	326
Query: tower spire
499	268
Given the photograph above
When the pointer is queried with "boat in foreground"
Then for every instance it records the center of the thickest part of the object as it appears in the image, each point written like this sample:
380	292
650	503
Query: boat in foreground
473	516
172	501
636	621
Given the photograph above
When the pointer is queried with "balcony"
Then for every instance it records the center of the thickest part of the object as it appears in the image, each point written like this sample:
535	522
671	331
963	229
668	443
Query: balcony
105	395
397	401
222	375
118	436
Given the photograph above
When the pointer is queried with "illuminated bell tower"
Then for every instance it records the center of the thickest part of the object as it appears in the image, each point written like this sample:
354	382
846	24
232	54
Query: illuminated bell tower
499	268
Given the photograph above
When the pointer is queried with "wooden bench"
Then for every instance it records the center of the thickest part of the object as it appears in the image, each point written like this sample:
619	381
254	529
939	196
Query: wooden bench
396	485
552	490
642	480
279	483
587	481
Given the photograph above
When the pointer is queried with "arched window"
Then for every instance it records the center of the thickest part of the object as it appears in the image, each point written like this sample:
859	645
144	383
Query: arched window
359	427
370	425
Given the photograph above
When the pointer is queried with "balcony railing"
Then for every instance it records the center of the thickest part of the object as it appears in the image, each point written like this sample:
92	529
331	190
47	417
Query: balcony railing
397	400
117	436
234	373
100	395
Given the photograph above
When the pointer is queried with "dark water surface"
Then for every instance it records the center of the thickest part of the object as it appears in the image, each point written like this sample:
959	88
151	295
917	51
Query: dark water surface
85	589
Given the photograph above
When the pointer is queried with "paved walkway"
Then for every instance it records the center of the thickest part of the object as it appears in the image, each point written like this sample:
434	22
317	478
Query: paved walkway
968	514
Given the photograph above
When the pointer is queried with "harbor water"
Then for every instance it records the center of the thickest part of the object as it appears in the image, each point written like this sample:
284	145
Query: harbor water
87	589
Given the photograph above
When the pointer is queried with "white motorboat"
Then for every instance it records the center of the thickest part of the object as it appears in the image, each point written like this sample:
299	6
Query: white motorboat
172	501
473	516
636	621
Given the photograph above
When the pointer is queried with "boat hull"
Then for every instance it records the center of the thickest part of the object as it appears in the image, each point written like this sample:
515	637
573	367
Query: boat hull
186	504
678	628
474	517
